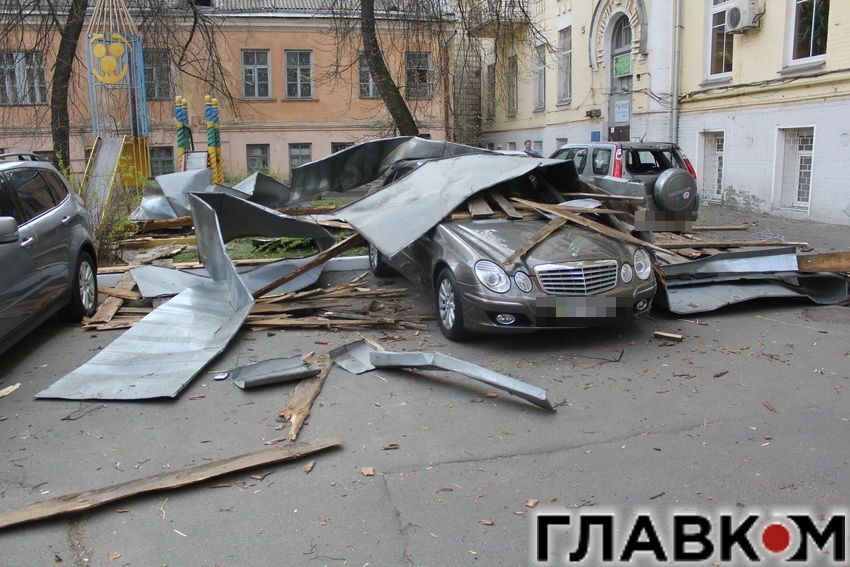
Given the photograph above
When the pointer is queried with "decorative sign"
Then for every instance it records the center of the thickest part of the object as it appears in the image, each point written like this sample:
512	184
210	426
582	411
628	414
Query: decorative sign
623	65
621	111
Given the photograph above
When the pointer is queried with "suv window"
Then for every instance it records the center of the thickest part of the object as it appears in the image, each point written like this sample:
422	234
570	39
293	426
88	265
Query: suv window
577	155
643	162
59	190
601	160
34	195
7	203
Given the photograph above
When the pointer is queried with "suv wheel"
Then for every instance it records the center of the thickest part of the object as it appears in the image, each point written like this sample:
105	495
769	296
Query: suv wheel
83	302
377	264
449	312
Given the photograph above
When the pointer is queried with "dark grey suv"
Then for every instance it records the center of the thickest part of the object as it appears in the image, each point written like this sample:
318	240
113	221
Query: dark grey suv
658	171
47	251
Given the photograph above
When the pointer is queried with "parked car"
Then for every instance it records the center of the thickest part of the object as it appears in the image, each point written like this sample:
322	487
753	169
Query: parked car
575	278
47	251
659	171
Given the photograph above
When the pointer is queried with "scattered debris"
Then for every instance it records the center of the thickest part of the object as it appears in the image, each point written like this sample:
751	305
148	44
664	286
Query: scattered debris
721	373
486	522
438	361
354	357
769	407
301	401
367	471
531	502
272	371
667	336
113	555
82	501
390	447
309	466
9	389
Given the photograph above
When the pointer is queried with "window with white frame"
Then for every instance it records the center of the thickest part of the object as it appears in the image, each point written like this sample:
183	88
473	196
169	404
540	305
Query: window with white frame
339	146
299	73
799	145
299	154
368	88
538	78
22	78
513	85
811	20
720	50
157	74
255	73
490	91
712	165
418	74
257	157
565	65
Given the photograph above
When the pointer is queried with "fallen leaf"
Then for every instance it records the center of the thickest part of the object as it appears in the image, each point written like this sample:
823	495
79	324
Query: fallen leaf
308	467
140	464
723	372
486	522
769	407
491	395
367	471
323	521
9	389
531	502
113	555
389	447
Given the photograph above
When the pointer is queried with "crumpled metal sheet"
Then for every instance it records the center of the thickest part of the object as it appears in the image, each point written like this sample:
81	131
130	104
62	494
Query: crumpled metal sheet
439	361
164	351
404	210
708	296
353	357
264	190
763	260
365	162
272	371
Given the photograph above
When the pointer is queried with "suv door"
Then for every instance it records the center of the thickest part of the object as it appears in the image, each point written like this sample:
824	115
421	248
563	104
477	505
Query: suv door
55	229
21	291
578	155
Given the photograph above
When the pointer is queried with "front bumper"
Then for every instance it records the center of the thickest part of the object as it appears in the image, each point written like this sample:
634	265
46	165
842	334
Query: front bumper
537	310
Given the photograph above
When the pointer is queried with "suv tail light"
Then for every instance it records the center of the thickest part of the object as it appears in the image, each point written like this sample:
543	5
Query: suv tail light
618	164
691	169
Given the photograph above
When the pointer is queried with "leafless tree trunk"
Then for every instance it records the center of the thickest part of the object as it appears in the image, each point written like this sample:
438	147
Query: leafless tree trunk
59	93
396	105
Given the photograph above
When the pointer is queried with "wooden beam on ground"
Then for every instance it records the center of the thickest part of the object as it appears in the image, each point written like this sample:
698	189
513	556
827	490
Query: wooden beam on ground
321	258
719	227
111	306
478	207
593	225
88	500
545	232
119	293
729	244
829	262
505	205
305	393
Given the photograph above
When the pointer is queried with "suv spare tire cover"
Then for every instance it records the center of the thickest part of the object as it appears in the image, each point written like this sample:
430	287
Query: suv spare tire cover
675	190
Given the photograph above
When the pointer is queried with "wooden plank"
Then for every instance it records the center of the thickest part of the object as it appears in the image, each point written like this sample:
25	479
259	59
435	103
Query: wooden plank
90	499
301	401
593	225
729	244
111	306
182	222
119	293
505	205
154	242
545	232
478	207
667	336
828	262
605	197
320	258
720	227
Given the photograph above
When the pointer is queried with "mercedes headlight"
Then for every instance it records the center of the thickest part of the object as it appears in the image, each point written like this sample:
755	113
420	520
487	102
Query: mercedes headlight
523	282
492	276
626	272
643	265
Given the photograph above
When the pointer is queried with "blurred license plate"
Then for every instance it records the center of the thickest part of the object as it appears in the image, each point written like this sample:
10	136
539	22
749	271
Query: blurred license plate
579	311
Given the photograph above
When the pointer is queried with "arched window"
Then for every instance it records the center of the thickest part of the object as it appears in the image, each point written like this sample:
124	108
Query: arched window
621	35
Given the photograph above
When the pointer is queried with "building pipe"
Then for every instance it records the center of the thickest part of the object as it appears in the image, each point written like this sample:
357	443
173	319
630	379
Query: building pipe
674	86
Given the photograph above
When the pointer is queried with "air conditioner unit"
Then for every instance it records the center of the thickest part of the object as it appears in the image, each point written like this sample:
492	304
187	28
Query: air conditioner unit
744	15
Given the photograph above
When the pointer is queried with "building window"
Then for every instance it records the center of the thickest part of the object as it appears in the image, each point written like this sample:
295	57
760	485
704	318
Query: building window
490	91
339	146
257	157
512	146
419	74
721	41
538	146
712	174
299	154
513	85
538	79
162	160
811	19
22	78
799	144
255	73
368	88
299	74
565	65
157	74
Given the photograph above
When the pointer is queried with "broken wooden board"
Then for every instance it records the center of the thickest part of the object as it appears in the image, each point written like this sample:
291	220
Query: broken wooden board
727	244
667	336
119	293
82	501
300	403
545	232
111	306
148	242
505	205
720	228
838	262
478	207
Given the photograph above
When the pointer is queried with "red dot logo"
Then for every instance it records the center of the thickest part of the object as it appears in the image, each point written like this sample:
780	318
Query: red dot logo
776	538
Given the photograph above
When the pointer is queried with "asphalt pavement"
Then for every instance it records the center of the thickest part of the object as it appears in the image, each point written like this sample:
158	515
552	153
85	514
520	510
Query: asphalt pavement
748	412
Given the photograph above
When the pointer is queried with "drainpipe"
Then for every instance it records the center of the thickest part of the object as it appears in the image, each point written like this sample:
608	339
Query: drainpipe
674	81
